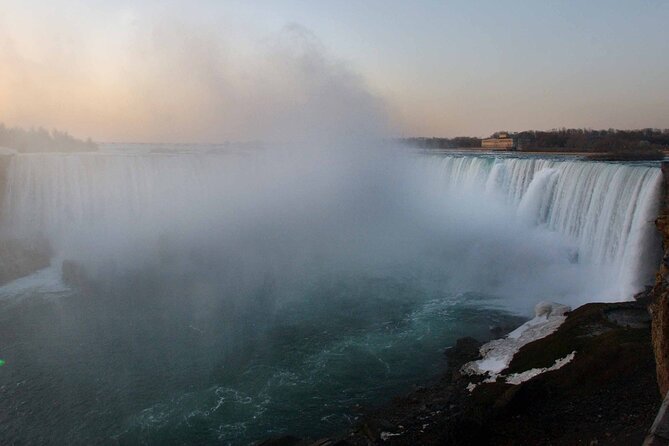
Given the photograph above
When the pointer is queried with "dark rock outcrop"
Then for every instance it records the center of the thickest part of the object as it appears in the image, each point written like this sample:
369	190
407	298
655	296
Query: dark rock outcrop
605	395
466	349
659	295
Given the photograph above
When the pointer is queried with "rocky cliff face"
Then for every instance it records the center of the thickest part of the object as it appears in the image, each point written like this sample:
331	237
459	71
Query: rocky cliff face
660	295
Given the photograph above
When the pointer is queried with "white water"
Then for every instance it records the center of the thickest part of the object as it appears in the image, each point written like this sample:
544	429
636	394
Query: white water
606	210
94	205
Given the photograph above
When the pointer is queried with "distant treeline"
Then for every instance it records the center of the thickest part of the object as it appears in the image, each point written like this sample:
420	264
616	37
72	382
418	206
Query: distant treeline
588	140
42	140
566	140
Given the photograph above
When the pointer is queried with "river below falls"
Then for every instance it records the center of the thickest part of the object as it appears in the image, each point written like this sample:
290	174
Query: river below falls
134	363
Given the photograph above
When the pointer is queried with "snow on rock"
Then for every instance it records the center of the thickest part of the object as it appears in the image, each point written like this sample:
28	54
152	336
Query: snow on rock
497	354
517	378
385	436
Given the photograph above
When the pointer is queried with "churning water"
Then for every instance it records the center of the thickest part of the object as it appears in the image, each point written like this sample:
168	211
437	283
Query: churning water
230	296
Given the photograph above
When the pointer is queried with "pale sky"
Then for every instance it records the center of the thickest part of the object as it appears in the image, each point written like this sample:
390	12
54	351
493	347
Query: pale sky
238	70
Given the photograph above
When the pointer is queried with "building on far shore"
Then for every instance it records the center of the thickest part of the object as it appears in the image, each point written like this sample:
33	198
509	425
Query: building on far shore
502	142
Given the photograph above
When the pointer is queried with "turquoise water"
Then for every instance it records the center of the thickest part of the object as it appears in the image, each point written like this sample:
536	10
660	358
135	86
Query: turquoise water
133	361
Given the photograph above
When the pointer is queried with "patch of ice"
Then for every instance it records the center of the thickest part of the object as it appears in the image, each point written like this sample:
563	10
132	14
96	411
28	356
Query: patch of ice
385	436
492	364
497	354
517	378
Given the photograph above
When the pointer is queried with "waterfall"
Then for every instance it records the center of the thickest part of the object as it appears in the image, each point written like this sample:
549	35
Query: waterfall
536	203
605	210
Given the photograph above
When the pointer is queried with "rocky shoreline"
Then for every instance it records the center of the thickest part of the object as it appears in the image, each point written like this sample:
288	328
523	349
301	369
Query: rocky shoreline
606	395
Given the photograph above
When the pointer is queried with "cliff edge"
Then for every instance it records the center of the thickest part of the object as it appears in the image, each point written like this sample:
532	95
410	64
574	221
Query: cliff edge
659	307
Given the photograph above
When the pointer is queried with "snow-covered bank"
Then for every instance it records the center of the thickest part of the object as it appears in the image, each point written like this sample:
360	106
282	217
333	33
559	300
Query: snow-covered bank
517	378
497	354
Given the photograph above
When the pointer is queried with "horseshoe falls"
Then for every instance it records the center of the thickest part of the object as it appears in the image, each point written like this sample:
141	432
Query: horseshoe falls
200	296
605	211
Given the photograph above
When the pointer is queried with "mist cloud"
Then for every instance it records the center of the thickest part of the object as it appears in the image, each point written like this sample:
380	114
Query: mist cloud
170	80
